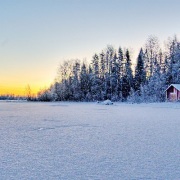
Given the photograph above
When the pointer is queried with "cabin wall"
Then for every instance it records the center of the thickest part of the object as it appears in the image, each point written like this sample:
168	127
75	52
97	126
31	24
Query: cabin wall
172	94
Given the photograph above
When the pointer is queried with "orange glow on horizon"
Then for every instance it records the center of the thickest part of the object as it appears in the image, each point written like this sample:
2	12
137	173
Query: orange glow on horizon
15	81
18	91
21	91
20	88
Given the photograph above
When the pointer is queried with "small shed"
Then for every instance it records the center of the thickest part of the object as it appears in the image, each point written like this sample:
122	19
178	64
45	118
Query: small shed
173	92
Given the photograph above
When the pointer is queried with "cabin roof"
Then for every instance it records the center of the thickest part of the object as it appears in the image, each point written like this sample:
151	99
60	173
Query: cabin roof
177	86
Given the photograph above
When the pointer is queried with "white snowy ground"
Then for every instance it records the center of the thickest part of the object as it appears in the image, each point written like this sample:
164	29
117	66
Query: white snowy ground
89	141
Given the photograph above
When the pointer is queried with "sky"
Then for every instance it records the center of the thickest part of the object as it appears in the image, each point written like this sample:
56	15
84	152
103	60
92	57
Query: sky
37	35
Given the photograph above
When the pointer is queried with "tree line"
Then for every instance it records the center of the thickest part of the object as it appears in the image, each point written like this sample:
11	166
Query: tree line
110	75
12	97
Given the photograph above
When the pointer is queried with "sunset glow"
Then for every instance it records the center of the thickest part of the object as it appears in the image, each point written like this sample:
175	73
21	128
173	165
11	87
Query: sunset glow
16	81
19	88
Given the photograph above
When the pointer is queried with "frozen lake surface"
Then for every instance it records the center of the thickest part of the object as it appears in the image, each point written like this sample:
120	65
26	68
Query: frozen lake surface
62	140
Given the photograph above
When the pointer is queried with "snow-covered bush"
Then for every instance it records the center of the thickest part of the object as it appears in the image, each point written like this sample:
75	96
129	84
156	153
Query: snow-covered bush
45	95
107	102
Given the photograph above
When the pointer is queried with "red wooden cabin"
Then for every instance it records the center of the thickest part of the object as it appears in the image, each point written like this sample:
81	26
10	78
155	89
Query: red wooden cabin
173	92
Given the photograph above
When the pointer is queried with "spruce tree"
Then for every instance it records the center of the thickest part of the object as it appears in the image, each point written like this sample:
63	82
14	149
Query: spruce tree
120	71
96	88
140	74
127	83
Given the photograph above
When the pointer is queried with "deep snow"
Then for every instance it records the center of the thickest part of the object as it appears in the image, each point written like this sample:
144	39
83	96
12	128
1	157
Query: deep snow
62	140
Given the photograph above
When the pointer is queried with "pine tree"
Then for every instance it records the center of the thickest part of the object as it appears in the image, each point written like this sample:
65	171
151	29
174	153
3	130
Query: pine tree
128	77
84	82
140	74
173	62
96	88
76	81
95	64
120	71
103	70
102	65
114	78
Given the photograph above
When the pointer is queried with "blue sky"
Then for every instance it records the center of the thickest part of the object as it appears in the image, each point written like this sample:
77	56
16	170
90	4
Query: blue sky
35	35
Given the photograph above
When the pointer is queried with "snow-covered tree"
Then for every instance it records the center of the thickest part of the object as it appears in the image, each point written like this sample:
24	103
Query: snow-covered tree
140	74
127	80
151	53
173	61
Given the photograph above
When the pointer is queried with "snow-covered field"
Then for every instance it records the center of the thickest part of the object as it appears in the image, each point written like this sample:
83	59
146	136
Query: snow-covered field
89	141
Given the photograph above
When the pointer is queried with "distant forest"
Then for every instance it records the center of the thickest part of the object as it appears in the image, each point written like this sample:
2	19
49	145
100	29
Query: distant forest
110	75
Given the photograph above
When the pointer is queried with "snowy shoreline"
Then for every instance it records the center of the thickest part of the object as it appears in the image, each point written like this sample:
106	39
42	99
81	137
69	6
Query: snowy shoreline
148	104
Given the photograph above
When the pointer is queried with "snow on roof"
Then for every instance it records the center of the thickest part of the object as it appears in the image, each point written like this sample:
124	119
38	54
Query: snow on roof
177	86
